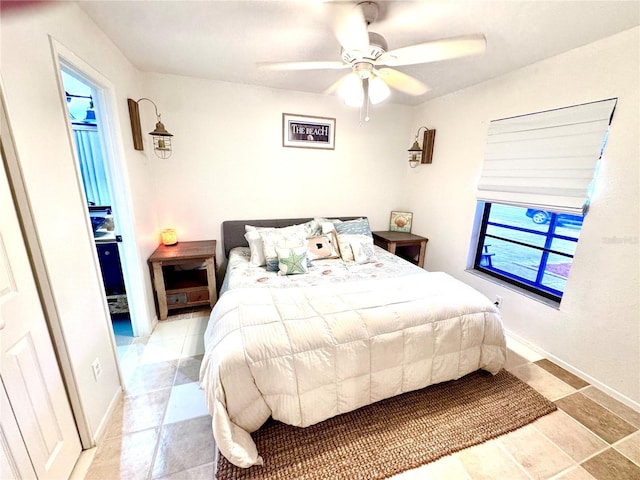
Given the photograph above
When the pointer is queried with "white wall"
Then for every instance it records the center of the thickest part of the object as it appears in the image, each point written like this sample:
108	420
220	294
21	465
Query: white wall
229	162
596	330
38	117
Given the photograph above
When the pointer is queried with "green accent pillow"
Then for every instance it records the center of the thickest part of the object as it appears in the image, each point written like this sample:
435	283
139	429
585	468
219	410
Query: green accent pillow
292	260
285	237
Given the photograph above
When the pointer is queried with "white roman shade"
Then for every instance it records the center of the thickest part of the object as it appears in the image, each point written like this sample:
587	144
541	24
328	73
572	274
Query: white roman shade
545	160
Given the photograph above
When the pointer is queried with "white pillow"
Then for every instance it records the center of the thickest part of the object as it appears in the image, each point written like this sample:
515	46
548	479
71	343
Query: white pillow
254	240
362	249
292	260
352	230
356	248
256	246
286	237
312	228
328	227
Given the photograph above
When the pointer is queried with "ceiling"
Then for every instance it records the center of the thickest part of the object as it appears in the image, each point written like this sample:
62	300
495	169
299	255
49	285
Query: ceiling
223	40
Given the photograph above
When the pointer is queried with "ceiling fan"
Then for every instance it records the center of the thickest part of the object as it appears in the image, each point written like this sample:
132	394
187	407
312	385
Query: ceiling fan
367	54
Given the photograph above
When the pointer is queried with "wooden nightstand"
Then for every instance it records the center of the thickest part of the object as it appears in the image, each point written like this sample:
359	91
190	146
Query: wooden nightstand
179	288
407	242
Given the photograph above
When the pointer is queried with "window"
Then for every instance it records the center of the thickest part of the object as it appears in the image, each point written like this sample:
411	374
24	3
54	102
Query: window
528	247
535	183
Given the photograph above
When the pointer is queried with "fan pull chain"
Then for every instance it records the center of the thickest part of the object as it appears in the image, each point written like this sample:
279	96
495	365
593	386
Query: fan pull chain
365	87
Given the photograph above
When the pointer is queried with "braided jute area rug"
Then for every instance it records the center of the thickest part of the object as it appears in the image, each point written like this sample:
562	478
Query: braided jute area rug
397	434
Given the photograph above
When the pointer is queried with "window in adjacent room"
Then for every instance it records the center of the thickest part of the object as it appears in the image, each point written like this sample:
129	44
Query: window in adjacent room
534	190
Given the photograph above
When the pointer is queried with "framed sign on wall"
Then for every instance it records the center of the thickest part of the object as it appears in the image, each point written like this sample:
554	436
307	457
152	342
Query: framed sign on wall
304	131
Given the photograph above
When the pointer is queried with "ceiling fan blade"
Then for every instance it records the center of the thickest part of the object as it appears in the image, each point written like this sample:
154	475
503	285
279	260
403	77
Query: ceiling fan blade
348	24
401	81
328	65
435	51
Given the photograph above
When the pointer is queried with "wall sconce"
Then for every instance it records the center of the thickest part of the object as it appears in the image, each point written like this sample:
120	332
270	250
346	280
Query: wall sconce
421	155
161	138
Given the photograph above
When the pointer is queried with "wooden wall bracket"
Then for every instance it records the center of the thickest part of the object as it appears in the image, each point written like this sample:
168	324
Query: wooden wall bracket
136	129
427	145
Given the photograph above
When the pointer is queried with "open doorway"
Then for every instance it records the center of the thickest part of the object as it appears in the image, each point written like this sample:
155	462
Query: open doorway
80	97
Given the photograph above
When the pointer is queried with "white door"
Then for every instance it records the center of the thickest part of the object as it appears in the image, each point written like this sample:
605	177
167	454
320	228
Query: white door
14	458
28	365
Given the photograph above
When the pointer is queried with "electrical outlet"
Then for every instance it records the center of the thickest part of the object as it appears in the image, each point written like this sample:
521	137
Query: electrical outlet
97	369
498	302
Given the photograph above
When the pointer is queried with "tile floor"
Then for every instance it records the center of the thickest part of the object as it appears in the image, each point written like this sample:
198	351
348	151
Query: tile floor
161	429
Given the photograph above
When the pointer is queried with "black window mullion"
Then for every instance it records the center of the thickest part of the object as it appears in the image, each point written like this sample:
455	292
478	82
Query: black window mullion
519	229
483	233
528	245
547	248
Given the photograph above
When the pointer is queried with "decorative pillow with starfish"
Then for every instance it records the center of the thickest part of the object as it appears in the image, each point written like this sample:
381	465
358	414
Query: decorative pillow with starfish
292	260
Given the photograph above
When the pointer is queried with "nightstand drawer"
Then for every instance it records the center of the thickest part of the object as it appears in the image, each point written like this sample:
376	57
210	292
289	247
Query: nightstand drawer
176	298
198	296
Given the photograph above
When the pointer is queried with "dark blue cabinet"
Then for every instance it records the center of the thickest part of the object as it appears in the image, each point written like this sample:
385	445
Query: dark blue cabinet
111	268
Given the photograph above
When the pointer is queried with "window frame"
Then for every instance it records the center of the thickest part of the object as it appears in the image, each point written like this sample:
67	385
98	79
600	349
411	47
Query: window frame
536	286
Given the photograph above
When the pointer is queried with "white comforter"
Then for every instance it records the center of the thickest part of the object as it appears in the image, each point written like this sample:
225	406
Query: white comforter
303	355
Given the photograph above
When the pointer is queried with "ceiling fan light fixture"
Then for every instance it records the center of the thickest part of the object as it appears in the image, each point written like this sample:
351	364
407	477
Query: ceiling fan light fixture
363	69
367	54
351	90
378	90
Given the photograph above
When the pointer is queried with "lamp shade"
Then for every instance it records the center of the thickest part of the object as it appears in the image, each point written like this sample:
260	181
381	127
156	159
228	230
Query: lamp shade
160	131
161	141
415	154
378	90
351	90
169	236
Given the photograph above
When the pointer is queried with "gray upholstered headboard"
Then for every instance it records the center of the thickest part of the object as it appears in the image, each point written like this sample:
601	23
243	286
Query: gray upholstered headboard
233	230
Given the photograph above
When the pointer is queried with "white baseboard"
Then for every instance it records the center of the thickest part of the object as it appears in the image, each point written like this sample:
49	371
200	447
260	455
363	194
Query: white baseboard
83	464
587	378
106	419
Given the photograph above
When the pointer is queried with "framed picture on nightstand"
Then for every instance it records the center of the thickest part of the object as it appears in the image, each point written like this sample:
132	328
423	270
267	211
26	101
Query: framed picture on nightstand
401	222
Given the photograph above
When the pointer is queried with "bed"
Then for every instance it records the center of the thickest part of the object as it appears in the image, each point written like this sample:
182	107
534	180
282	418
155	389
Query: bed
345	332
